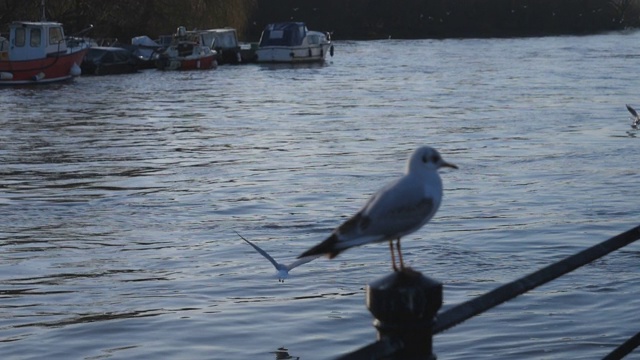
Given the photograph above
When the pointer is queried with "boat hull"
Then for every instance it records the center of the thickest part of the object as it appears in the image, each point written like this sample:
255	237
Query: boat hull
178	63
39	71
296	54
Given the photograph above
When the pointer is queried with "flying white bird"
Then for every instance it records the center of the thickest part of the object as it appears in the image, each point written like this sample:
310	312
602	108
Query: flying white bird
282	270
396	210
635	118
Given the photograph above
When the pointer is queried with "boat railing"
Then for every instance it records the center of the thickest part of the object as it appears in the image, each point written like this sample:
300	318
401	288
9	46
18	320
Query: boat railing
78	40
4	48
406	305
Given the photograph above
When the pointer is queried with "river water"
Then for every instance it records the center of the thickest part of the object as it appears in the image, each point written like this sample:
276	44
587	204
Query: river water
120	197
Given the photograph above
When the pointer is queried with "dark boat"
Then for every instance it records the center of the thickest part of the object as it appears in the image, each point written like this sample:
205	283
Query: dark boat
102	60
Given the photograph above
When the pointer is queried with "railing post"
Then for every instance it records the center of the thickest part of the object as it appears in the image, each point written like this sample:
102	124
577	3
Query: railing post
404	305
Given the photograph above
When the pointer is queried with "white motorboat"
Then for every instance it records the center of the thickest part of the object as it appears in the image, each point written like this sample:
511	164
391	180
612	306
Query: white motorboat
292	42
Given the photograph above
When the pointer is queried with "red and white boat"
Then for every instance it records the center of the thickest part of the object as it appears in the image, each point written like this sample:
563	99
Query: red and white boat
37	52
187	51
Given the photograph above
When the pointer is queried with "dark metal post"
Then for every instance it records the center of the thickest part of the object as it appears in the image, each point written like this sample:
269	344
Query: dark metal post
404	305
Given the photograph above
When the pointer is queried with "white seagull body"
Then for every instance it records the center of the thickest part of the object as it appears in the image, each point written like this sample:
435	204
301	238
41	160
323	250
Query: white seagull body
282	270
635	117
396	210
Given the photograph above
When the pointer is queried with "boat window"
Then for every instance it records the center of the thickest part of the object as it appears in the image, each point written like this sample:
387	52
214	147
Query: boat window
55	35
226	40
276	34
20	37
36	36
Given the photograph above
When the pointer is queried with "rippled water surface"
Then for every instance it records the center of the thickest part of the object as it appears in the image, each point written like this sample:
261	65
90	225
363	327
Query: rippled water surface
119	198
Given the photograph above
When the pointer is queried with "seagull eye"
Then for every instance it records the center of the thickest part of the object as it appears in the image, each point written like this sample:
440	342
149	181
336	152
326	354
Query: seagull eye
435	159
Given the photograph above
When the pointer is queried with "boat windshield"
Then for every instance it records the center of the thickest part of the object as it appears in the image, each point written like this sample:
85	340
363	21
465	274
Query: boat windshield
283	34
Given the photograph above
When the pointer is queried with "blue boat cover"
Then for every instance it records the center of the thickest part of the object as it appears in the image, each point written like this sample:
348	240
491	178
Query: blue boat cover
283	34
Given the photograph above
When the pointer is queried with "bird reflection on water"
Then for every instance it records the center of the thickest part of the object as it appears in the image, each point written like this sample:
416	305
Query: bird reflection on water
283	354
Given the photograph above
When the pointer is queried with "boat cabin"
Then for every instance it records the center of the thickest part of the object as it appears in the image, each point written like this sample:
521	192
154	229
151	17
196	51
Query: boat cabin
220	38
225	43
33	40
283	34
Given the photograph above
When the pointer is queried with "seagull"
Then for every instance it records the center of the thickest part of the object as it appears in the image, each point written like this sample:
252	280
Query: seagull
398	209
636	118
282	270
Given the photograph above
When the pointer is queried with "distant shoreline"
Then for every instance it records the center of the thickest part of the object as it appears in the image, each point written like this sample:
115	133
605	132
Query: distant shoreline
438	19
345	19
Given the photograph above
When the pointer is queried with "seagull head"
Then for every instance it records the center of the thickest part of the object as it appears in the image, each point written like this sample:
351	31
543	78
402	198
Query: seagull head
427	157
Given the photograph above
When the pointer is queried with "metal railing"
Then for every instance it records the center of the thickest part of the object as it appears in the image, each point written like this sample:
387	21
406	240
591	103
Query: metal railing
405	305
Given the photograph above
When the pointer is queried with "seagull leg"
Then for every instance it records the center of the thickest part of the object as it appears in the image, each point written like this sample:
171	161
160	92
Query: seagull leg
393	257
400	255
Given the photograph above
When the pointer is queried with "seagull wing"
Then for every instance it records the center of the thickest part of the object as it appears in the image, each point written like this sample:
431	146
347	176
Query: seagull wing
632	111
398	210
302	260
262	252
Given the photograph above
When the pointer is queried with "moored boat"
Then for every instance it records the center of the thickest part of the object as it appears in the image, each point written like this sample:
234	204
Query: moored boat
106	60
292	42
187	51
146	50
225	43
37	52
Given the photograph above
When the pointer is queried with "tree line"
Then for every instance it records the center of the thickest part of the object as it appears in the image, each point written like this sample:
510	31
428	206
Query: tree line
376	19
346	19
126	19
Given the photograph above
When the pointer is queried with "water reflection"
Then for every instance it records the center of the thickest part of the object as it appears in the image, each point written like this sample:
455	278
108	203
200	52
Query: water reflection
286	66
90	318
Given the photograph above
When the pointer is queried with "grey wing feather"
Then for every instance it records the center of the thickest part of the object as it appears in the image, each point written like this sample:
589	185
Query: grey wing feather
405	219
632	111
301	261
397	210
262	252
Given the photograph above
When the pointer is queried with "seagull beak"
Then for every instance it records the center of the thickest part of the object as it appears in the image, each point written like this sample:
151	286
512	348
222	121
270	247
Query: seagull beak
446	164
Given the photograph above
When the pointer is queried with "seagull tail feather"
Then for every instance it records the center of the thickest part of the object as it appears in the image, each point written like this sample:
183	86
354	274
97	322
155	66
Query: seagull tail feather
327	247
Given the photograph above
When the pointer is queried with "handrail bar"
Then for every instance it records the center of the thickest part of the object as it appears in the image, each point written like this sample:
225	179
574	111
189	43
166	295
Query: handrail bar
459	313
624	349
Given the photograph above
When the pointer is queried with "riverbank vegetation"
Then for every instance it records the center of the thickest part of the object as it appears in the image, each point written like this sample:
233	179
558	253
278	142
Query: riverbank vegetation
347	19
363	19
126	19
